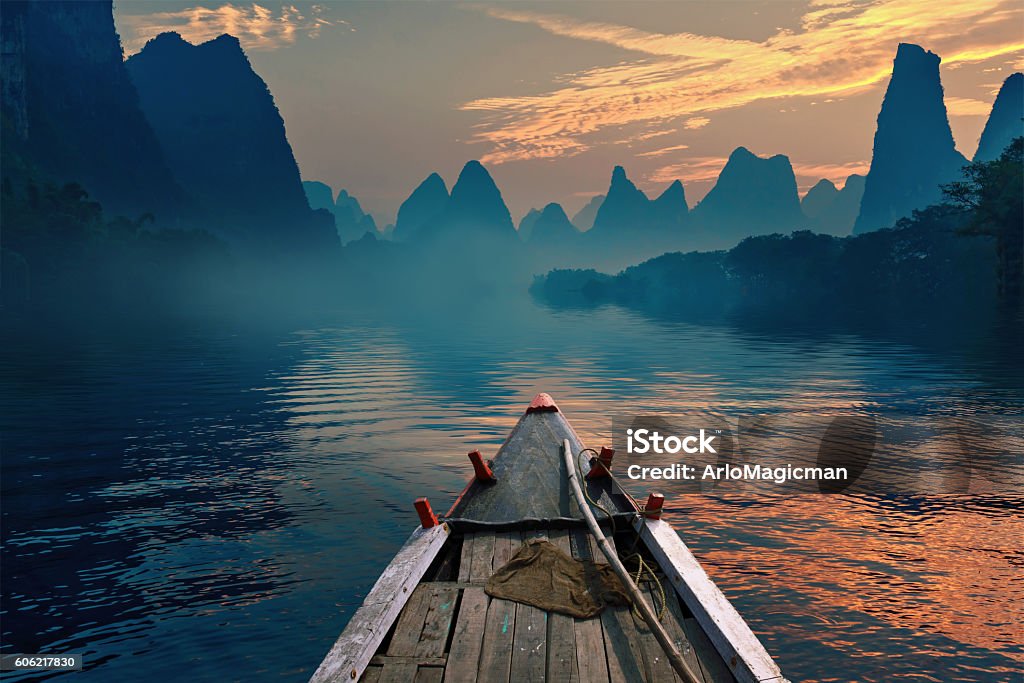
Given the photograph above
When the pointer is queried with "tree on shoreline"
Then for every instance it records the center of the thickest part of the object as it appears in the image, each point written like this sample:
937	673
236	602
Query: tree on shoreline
993	194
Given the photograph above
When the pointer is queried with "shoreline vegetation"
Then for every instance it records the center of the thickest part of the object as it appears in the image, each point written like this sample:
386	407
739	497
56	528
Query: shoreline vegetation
954	259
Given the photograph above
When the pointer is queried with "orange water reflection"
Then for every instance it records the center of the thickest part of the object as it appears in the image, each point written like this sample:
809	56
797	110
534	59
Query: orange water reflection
937	567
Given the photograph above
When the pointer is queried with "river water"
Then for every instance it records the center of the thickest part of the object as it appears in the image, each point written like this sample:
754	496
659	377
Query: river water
210	502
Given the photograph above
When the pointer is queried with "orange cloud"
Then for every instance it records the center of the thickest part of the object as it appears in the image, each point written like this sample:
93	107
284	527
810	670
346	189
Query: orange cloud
255	26
663	151
841	48
962	106
692	170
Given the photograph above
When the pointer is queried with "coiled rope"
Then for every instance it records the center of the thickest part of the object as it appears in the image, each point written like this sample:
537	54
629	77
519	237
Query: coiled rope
642	565
612	555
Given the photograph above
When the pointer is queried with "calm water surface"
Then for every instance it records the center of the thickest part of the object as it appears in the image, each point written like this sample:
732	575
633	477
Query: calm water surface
210	503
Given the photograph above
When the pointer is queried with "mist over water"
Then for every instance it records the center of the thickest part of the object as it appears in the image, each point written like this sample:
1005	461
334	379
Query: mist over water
212	500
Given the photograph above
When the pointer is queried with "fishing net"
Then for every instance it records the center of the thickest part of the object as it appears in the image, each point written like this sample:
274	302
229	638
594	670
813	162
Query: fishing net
541	575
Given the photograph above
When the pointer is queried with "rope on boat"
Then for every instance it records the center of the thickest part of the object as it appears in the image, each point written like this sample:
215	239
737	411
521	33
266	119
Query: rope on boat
642	566
663	638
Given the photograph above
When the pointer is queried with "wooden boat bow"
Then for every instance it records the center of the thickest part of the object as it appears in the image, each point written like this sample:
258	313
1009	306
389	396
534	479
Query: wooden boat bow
428	617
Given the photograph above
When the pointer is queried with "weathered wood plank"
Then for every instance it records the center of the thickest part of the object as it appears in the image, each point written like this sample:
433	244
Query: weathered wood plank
351	652
429	674
711	663
503	550
468	639
448	563
561	648
732	637
591	660
499	628
500	632
674	621
398	671
381	660
561	666
410	623
655	662
466	561
529	649
483	556
371	674
621	646
436	626
457	585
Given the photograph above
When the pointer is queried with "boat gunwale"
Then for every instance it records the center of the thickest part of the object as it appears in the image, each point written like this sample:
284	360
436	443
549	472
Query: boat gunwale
358	642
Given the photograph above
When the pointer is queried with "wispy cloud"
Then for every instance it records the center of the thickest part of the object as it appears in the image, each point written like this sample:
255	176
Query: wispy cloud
963	106
692	170
663	151
255	26
842	47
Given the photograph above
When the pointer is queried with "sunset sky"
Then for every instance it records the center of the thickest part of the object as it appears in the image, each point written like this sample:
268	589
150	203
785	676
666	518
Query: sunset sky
550	96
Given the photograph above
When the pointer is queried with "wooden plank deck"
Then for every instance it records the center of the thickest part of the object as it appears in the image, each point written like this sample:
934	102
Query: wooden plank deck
450	630
718	620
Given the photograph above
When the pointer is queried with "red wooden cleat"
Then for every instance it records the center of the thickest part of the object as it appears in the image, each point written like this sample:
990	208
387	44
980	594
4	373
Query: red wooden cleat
602	464
427	517
655	502
483	472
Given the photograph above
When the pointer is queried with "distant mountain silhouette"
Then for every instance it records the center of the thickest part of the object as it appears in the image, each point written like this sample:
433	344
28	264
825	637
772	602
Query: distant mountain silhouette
552	228
71	111
584	218
670	207
475	211
350	219
752	196
225	141
527	223
319	195
423	206
914	152
819	197
628	225
833	211
1006	121
351	222
623	210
